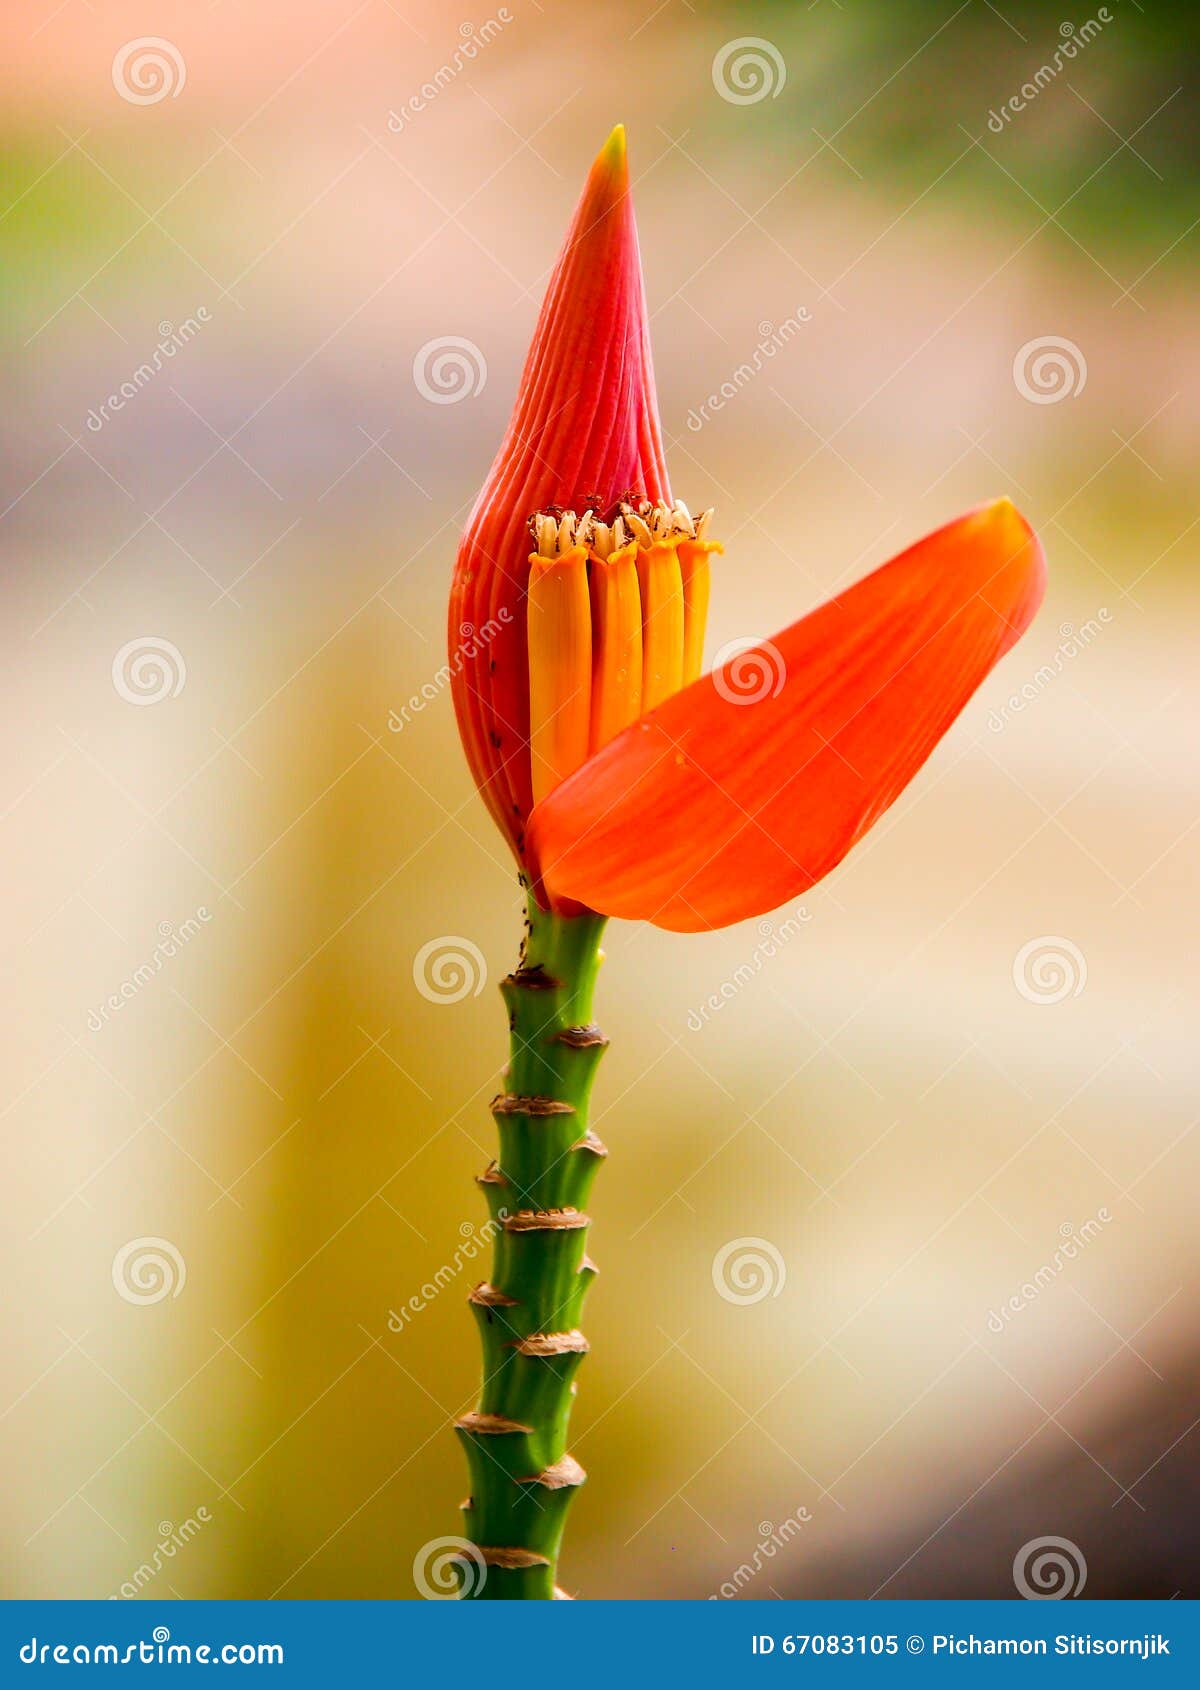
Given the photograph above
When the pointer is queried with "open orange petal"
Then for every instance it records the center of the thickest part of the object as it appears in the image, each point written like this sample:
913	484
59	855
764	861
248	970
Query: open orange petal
738	793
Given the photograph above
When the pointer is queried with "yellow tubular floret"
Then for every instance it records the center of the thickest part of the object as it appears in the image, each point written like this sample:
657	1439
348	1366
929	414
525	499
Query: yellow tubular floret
559	622
694	570
661	586
616	644
615	623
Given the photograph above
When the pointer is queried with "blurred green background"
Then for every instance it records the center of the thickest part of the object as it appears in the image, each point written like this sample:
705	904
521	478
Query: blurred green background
914	1134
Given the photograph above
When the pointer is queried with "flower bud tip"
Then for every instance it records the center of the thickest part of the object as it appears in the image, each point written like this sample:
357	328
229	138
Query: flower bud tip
612	154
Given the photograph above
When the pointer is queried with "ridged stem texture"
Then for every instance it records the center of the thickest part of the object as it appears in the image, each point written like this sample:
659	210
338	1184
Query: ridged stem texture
521	1474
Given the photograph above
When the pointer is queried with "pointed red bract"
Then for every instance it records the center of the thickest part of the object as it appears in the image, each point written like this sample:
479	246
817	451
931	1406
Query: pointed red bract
713	808
585	425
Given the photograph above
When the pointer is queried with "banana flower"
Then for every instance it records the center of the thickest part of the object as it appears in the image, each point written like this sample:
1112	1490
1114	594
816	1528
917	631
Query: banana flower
627	783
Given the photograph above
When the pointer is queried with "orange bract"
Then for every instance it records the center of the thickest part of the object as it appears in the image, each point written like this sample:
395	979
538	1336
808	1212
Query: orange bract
716	806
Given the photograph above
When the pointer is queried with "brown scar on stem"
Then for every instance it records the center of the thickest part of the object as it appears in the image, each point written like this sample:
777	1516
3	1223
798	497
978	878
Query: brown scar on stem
488	1296
491	1175
514	1559
492	1425
580	1038
533	979
546	1220
510	1103
590	1142
552	1344
563	1475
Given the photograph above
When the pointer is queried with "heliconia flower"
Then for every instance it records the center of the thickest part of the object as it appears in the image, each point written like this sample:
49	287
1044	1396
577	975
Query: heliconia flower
626	782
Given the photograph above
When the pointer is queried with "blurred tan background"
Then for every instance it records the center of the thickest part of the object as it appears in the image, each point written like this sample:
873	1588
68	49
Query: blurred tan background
974	1177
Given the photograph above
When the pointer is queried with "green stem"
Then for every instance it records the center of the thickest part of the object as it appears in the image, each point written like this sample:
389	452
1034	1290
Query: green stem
522	1478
